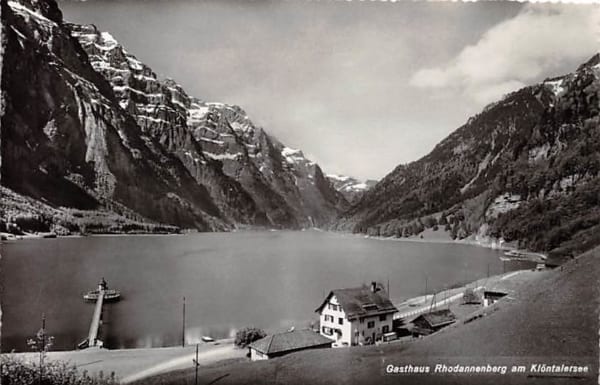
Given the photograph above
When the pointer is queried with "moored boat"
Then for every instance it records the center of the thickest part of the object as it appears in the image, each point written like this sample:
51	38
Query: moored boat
110	295
208	339
83	344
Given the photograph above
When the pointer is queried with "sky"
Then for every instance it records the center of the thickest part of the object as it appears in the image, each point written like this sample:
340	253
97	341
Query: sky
359	87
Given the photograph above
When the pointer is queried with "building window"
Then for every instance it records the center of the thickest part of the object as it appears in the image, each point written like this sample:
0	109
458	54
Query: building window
327	331
328	318
361	320
371	324
341	321
382	317
385	329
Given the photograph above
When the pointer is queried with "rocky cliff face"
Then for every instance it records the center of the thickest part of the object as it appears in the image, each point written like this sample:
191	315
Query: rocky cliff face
525	169
66	141
89	127
217	142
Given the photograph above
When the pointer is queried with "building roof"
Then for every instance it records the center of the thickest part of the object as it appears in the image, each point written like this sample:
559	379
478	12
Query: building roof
438	318
494	293
289	341
362	301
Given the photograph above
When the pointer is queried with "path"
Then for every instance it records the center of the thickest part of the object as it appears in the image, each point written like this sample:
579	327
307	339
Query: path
135	364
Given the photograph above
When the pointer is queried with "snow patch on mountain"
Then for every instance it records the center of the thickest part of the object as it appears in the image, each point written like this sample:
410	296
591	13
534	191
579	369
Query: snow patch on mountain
27	13
350	187
292	155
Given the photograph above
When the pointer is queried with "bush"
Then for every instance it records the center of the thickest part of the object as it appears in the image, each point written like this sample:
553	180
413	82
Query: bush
246	336
15	371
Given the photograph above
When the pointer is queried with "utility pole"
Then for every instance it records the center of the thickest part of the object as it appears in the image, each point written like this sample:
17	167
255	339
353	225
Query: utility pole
183	325
43	347
447	302
431	305
196	364
388	288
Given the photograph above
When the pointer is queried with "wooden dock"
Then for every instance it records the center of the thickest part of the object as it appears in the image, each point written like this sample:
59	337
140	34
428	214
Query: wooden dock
96	321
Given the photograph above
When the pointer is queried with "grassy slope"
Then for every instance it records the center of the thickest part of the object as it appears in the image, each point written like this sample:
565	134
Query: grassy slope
531	324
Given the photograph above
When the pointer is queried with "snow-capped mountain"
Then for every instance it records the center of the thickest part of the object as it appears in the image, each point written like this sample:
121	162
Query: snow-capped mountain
350	187
88	126
526	169
286	187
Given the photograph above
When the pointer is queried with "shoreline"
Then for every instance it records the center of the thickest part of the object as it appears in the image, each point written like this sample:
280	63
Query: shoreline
466	241
524	255
136	364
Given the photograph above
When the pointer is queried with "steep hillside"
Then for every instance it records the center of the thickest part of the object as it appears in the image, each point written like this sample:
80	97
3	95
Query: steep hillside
91	128
525	169
66	142
351	188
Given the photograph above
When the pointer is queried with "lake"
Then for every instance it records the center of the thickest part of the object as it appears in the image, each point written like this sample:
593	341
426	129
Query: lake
268	279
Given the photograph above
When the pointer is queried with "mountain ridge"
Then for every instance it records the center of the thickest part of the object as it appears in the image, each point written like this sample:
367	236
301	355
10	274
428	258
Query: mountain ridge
503	173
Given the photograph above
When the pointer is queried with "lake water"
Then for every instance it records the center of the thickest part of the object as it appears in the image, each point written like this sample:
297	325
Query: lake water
271	280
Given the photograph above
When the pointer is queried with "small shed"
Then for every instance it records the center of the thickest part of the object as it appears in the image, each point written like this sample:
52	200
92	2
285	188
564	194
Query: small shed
283	343
492	296
431	322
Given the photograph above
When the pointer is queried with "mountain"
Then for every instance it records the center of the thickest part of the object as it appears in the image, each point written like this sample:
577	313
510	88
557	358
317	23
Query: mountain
90	133
526	170
352	189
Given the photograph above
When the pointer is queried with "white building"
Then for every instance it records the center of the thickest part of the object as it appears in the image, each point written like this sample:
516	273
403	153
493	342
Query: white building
355	316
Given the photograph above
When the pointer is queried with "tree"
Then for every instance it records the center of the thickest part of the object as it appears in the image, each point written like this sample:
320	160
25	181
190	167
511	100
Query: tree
41	343
246	336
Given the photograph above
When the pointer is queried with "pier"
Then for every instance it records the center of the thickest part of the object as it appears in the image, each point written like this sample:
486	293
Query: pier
96	321
100	296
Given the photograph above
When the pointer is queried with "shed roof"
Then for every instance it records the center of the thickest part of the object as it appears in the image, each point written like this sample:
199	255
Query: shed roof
289	341
494	293
362	301
438	318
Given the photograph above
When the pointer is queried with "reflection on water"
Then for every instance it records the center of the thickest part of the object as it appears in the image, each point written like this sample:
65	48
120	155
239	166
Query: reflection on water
271	280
